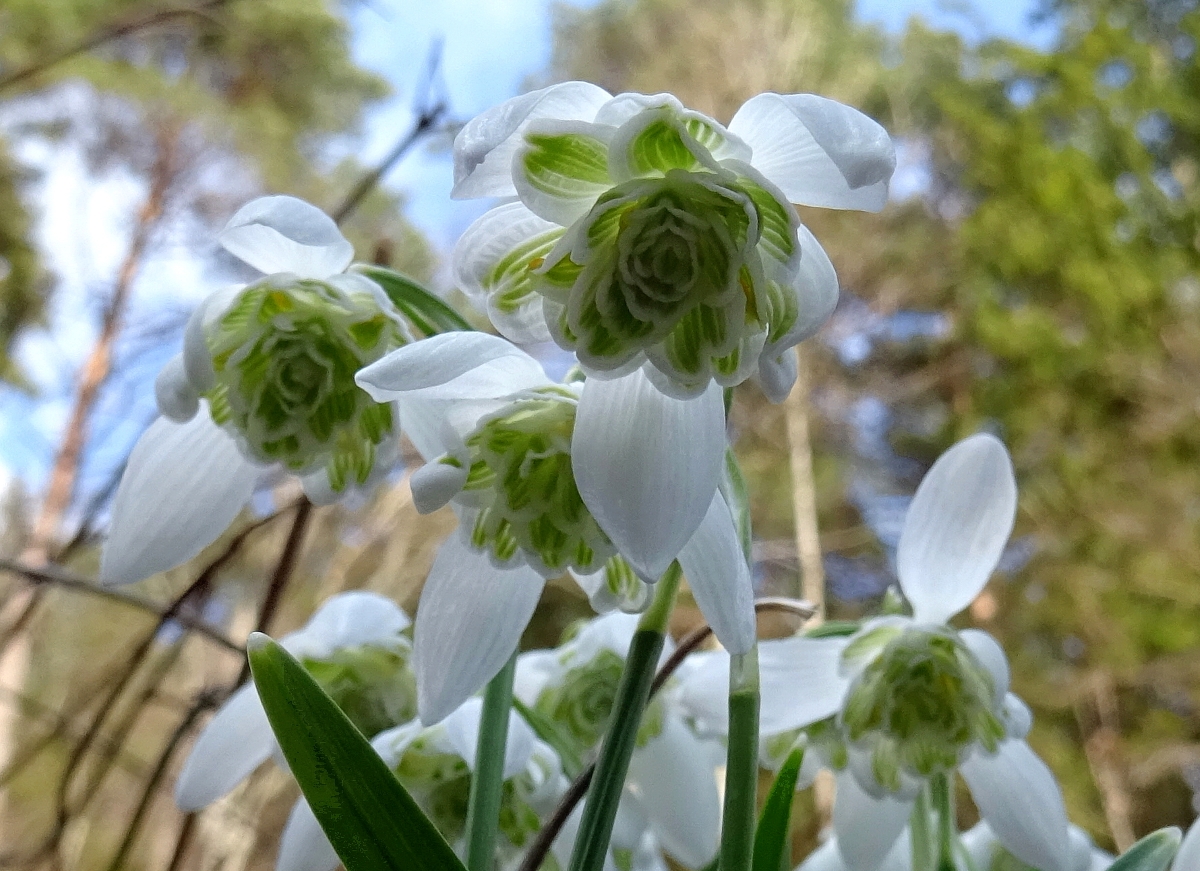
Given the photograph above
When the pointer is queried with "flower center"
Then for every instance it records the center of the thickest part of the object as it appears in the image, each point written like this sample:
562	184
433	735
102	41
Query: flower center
374	686
920	704
520	463
284	355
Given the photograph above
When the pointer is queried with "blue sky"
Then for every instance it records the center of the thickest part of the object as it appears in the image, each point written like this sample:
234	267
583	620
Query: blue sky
491	50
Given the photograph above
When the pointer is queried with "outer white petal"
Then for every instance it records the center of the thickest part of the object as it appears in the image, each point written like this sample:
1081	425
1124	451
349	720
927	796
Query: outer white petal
828	857
867	827
799	677
816	289
284	234
462	730
176	398
440	360
469	620
183	485
350	619
303	846
1188	857
716	571
1020	799
647	465
489	241
235	742
991	656
197	359
435	484
484	148
819	151
675	776
956	527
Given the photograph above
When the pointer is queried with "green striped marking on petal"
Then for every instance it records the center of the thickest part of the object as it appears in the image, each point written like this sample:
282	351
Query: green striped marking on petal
777	221
567	166
510	283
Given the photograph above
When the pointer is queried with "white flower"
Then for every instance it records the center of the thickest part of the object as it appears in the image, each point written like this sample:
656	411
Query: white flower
522	459
1188	856
979	842
355	648
266	377
638	232
435	764
672	774
906	698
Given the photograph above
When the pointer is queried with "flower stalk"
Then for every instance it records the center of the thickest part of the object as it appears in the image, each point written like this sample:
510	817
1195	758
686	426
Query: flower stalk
600	809
741	769
487	781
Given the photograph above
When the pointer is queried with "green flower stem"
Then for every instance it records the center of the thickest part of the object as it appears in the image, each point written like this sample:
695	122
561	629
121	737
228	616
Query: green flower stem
942	797
487	781
924	850
741	767
600	809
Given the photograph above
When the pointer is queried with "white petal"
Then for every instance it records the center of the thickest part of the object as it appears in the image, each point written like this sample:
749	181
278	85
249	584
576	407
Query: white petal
777	375
647	465
317	488
484	148
435	484
675	776
183	485
284	234
956	527
1018	796
494	266
1188	857
819	151
197	359
462	730
469	620
867	827
1018	719
236	741
991	656
816	289
443	359
716	571
303	846
350	619
177	399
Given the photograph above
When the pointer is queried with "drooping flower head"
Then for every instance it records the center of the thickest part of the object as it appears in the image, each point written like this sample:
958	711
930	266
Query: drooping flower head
522	459
356	646
906	698
646	232
276	359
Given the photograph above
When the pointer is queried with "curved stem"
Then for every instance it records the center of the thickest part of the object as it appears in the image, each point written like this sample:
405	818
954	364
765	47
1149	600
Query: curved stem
487	781
600	809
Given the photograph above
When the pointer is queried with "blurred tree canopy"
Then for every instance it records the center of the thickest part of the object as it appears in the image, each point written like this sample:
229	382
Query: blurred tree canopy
1054	221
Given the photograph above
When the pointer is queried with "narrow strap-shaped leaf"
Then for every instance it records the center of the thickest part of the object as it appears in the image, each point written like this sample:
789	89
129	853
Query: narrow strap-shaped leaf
427	311
771	837
1152	853
370	819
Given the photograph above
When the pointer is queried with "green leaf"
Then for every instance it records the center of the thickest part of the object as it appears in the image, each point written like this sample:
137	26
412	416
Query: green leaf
423	308
1152	853
370	819
771	851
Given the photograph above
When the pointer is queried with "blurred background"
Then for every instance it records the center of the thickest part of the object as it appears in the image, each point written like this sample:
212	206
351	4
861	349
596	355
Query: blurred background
1036	274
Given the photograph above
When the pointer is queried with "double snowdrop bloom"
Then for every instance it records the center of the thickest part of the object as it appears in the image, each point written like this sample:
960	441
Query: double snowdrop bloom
981	847
672	775
640	232
266	377
435	765
545	483
906	698
357	649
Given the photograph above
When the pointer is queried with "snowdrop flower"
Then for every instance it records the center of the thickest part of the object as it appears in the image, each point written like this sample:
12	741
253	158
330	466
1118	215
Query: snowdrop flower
673	770
979	843
266	377
904	698
1188	856
522	462
639	232
435	763
355	648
